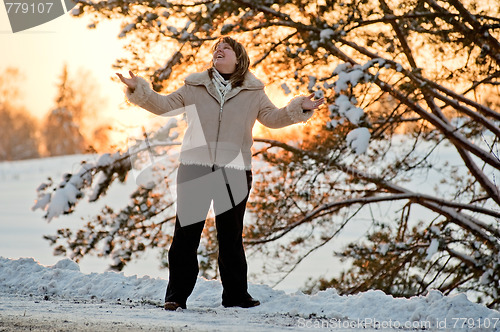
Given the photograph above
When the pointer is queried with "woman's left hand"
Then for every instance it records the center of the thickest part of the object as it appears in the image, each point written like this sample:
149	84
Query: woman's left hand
310	105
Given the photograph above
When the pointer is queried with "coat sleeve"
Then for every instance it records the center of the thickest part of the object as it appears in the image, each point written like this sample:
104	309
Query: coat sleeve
274	117
166	105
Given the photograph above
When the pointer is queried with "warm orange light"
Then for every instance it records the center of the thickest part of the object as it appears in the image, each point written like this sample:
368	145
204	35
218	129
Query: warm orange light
282	134
279	99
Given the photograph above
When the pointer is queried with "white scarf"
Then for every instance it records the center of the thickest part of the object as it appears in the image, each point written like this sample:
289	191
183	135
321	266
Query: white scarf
222	86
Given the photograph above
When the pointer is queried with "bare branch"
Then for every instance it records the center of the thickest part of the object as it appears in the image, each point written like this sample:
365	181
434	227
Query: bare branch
475	35
435	204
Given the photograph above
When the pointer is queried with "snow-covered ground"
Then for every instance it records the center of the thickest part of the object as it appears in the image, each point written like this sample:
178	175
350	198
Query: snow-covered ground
43	297
49	294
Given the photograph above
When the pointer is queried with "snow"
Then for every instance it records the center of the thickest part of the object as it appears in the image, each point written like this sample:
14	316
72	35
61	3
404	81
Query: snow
166	133
435	230
348	110
61	201
286	89
99	179
370	63
319	94
383	248
330	125
432	249
312	83
486	276
105	160
358	139
345	78
151	17
326	34
126	30
341	67
24	282
42	202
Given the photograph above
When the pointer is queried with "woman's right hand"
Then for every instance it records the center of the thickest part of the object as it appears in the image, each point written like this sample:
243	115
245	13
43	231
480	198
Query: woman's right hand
131	82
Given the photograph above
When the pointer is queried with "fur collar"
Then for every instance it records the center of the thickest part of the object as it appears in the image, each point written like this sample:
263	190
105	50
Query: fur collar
251	82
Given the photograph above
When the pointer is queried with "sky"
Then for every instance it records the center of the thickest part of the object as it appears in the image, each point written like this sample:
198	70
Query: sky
41	52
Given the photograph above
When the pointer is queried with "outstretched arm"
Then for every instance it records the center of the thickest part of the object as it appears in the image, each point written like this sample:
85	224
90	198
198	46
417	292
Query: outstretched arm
139	92
299	109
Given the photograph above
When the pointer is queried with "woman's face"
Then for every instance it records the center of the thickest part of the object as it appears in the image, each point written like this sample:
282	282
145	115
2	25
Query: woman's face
224	58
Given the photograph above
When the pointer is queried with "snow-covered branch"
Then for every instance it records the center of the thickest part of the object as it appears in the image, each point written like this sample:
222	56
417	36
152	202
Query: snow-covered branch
96	177
435	204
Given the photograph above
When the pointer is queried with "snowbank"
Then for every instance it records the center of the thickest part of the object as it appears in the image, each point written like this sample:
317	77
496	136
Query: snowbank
65	281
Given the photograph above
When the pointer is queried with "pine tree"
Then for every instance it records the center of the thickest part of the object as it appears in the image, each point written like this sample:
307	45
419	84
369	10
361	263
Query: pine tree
65	130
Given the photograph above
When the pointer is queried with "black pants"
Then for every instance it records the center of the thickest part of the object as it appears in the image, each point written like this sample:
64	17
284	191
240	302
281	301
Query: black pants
197	186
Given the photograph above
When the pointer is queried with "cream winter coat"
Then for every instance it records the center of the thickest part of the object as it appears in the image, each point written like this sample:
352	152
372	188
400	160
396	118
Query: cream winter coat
217	135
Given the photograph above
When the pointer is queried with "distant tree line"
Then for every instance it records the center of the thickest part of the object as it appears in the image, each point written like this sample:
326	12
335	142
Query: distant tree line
60	132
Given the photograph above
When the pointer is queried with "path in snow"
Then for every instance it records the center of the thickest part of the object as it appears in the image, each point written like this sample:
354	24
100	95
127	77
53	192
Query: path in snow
33	314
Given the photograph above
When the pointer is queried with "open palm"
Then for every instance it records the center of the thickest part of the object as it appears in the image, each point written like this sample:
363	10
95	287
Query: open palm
309	104
130	82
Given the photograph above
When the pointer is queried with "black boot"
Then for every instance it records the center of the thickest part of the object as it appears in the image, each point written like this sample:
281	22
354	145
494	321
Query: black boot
245	303
172	306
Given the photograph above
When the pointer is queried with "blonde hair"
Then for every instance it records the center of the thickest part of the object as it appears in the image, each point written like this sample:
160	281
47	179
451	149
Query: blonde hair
242	60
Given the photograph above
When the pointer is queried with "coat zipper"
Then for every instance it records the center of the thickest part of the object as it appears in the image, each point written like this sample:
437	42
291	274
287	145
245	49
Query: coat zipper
215	159
217	137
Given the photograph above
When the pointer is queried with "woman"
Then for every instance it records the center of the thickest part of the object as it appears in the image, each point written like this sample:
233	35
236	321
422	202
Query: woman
222	105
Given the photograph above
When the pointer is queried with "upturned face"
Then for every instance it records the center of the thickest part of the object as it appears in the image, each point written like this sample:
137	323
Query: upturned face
224	58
